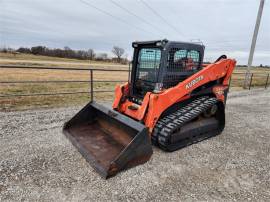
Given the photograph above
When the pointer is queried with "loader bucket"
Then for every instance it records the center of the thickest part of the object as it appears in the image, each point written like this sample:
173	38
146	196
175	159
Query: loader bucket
108	140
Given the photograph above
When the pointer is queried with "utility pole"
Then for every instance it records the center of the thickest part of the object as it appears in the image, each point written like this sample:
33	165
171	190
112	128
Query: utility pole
253	44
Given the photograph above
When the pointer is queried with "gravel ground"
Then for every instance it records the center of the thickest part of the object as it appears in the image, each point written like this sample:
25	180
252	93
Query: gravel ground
37	163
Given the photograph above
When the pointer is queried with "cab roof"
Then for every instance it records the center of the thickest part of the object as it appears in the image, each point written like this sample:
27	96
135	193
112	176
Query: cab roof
168	44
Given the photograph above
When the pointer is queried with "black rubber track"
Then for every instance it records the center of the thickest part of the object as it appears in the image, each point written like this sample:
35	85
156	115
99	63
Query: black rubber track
172	123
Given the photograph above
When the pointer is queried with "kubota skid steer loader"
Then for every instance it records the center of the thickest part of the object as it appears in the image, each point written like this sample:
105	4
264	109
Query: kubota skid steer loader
172	100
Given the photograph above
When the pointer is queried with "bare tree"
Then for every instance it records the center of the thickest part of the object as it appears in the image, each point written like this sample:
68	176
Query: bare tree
91	54
118	52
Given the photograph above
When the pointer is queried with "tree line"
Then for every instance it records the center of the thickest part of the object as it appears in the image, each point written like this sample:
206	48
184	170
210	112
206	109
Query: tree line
67	52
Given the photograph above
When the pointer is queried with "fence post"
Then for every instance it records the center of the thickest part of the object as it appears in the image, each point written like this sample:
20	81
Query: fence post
250	81
266	83
245	83
129	72
230	81
91	85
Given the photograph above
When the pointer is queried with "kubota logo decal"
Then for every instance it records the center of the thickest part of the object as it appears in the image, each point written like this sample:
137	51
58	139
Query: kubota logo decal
193	82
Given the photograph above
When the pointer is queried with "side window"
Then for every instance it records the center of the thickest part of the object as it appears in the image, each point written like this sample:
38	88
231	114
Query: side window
186	60
194	55
179	55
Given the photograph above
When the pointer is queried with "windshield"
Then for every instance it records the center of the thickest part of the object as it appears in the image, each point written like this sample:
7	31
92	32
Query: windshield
148	64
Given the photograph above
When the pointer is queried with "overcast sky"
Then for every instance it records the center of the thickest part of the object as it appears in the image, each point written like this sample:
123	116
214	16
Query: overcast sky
224	26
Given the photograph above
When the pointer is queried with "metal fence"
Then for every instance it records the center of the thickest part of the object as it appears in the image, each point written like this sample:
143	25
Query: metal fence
91	81
257	80
237	80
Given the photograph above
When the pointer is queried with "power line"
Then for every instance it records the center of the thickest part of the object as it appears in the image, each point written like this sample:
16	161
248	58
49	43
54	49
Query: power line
133	14
162	18
115	17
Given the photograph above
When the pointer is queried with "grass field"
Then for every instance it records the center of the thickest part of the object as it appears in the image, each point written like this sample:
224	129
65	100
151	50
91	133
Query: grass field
15	103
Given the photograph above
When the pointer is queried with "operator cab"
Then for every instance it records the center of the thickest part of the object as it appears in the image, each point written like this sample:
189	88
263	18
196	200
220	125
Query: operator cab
162	64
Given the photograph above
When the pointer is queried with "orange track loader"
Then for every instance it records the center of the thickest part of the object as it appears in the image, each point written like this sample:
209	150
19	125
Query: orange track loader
171	100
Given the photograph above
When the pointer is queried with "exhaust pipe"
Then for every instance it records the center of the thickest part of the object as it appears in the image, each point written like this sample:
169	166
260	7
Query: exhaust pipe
108	140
